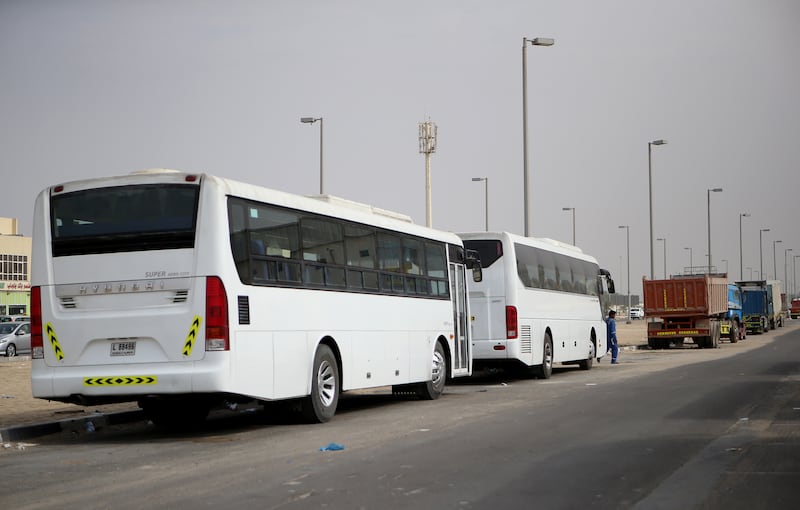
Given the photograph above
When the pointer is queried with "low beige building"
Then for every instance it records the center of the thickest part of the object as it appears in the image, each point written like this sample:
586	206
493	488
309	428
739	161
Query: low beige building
15	269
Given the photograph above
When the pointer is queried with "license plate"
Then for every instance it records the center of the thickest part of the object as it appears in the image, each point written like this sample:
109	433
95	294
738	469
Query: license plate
126	348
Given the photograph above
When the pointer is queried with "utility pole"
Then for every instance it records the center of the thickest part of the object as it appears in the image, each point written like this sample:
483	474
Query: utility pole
427	146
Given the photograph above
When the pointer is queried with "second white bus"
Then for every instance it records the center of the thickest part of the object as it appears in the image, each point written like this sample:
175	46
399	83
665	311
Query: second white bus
540	302
180	291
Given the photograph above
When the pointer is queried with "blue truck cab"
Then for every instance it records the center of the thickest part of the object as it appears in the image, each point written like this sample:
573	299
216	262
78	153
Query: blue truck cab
734	327
755	309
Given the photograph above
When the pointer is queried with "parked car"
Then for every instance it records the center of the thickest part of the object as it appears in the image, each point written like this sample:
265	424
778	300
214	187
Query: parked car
15	318
636	313
15	338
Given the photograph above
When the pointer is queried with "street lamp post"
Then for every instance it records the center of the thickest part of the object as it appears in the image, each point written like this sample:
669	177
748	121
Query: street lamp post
628	256
761	251
774	260
536	41
741	263
650	194
486	198
708	196
690	259
664	239
311	120
794	273
573	222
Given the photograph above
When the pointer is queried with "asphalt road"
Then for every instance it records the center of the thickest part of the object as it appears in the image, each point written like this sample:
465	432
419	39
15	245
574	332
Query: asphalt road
676	429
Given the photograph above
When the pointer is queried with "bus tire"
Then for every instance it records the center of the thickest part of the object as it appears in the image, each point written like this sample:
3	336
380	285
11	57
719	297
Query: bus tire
320	405
545	370
433	389
589	362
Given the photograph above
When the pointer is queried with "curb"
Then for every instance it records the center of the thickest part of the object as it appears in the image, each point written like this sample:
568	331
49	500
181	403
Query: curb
77	425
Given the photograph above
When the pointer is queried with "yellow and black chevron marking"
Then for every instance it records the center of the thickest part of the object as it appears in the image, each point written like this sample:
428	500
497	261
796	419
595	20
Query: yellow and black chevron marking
51	335
192	336
121	380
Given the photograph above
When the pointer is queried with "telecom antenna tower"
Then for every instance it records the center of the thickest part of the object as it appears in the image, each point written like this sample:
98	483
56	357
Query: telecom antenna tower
427	146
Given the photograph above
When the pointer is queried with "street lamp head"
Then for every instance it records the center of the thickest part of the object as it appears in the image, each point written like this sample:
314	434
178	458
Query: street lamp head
776	242
623	226
764	230
308	120
660	239
658	142
744	215
567	208
479	179
715	190
542	41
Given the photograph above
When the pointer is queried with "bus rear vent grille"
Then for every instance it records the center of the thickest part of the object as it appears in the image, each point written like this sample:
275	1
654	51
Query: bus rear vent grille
68	302
244	309
180	296
525	339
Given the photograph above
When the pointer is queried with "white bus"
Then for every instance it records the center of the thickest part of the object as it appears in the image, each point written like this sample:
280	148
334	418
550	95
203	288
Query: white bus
540	302
180	291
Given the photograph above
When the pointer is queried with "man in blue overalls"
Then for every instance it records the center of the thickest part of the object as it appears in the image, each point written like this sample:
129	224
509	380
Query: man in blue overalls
611	336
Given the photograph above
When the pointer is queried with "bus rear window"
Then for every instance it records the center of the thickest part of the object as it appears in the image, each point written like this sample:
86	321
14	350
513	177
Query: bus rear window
124	218
489	250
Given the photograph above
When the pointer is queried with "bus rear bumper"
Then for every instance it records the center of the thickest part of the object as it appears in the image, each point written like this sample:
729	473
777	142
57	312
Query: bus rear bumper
90	385
492	349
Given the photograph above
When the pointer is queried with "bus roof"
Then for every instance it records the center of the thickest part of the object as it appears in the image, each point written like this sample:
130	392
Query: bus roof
537	242
321	204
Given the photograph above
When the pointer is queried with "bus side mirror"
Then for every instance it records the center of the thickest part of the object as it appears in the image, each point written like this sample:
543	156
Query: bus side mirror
611	286
477	273
474	263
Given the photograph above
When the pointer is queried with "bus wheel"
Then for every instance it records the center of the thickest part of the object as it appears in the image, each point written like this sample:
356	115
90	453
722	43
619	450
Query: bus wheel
431	390
320	406
588	362
545	370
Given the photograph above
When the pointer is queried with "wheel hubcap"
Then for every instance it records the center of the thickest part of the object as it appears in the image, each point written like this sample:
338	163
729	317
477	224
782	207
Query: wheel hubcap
326	383
438	368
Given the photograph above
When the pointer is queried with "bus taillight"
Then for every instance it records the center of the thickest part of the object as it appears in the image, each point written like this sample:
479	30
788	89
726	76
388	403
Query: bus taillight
37	341
216	315
512	331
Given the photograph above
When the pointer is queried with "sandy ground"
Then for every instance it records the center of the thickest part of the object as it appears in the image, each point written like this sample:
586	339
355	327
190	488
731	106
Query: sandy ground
18	407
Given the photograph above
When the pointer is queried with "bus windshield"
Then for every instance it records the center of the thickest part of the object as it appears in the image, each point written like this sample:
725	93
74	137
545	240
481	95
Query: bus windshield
124	218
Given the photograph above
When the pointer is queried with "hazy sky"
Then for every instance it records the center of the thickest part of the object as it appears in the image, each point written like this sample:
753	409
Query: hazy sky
95	88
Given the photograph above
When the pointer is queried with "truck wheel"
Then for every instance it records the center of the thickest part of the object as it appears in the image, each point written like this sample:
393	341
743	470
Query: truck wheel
734	334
